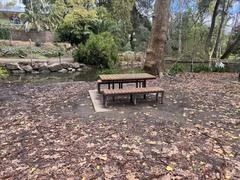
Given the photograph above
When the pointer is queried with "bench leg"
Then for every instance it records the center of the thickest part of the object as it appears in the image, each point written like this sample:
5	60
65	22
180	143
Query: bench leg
157	96
131	98
134	99
105	100
162	97
99	88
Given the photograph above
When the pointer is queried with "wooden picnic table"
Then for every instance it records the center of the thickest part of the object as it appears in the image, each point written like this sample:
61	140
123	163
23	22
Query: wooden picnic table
111	79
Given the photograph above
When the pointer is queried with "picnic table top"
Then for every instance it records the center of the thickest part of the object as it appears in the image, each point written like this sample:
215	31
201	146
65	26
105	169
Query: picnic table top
122	77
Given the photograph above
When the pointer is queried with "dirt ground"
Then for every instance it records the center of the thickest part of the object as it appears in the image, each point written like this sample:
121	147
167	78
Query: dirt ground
52	132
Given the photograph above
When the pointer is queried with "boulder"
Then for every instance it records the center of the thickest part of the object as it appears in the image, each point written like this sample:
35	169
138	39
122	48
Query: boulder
18	72
43	67
55	67
63	71
66	65
27	68
46	71
75	65
13	66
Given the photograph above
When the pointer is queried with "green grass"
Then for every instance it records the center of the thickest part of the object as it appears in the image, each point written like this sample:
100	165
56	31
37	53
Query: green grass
3	72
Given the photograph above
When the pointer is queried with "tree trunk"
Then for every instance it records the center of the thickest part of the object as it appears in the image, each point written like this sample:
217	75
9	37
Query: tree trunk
216	48
211	30
231	46
155	54
180	30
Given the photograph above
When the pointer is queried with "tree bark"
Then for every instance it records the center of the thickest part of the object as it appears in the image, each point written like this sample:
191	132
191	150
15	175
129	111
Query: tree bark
232	46
180	30
155	54
211	30
223	14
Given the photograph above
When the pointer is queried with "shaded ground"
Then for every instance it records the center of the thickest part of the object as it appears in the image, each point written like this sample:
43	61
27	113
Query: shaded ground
52	131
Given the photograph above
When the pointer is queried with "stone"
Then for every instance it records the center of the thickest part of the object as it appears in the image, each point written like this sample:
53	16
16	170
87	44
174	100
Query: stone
18	72
35	72
27	68
75	65
69	69
55	67
43	67
66	65
45	71
81	65
63	71
13	66
79	69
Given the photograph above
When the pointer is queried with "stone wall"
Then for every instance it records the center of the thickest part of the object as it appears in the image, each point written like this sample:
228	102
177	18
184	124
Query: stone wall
43	68
43	36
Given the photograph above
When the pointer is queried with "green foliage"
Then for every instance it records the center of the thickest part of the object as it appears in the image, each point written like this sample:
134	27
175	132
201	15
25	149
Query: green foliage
100	50
4	33
219	69
176	68
77	25
21	51
3	72
118	70
201	68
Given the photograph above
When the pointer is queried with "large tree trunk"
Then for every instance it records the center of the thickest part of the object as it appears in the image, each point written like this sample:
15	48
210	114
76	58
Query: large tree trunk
226	4
155	54
180	30
210	33
232	46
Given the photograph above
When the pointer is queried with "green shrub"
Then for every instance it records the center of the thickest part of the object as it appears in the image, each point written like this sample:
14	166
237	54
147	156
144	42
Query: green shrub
3	72
21	51
100	50
219	69
176	68
4	33
201	68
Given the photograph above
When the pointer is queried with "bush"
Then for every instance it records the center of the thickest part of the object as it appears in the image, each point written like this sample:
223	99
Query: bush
3	72
176	68
219	69
201	68
4	33
100	50
21	51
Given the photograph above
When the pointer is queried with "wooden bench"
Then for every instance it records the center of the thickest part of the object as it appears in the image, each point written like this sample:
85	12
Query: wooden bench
120	84
132	92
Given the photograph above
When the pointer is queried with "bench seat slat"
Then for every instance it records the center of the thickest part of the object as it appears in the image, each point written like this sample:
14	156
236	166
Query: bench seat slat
132	90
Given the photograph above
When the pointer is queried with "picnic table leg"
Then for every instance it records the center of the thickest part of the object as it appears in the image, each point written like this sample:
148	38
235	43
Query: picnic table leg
109	85
131	98
136	84
105	100
144	85
134	99
157	97
162	97
99	88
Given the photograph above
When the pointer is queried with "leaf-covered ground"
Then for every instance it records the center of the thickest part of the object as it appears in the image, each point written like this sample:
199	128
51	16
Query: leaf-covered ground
52	132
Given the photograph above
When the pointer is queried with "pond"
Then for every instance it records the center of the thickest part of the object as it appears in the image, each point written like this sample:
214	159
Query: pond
90	75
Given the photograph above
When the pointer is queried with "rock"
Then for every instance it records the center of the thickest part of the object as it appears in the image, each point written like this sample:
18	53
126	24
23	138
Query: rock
63	71
79	69
69	69
75	65
13	66
73	70
35	72
27	68
17	71
81	65
45	71
43	67
55	67
66	65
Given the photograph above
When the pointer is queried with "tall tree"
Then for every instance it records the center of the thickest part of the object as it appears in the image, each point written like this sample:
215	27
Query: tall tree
211	30
155	54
